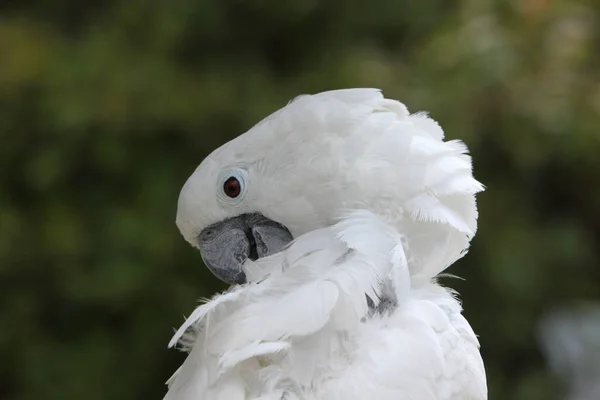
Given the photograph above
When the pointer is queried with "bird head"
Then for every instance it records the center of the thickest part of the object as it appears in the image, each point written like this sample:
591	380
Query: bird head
308	164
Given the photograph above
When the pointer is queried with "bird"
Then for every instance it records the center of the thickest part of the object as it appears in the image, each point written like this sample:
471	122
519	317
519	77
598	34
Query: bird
332	220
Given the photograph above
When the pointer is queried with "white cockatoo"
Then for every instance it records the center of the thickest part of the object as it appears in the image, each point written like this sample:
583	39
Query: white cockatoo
331	218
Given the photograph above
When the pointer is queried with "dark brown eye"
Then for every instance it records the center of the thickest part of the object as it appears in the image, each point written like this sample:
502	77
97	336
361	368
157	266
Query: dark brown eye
232	187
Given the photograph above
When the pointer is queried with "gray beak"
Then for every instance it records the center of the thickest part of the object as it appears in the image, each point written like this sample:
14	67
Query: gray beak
226	245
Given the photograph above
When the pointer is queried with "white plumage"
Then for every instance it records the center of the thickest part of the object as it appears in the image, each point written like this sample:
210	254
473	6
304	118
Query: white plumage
378	205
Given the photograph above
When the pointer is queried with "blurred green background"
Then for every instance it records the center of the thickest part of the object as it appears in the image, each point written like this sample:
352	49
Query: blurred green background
106	107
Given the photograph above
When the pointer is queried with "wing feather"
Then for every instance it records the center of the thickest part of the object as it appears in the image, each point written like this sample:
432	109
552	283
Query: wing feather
305	330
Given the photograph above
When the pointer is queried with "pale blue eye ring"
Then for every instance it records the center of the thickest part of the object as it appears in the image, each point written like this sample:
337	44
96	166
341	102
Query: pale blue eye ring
232	186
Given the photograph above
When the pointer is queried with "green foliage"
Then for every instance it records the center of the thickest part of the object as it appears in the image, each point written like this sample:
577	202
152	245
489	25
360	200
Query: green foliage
107	107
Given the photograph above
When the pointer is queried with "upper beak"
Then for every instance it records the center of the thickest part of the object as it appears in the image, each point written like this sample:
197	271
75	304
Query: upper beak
226	245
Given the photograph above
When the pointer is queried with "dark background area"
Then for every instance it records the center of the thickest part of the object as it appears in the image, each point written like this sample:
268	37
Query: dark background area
107	107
